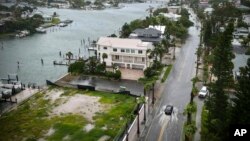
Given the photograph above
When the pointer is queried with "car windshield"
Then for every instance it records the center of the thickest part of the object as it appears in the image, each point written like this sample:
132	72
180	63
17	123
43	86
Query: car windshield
168	108
203	91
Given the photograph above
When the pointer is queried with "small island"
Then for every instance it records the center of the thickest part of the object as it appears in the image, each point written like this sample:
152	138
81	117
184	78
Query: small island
79	4
22	20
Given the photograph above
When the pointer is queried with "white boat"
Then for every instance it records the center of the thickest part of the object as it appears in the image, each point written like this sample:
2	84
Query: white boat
236	42
62	24
40	30
23	33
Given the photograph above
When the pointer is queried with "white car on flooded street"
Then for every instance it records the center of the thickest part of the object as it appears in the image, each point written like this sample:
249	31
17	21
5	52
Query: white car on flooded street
203	92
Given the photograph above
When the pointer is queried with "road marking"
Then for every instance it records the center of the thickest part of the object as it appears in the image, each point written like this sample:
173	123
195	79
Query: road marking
162	130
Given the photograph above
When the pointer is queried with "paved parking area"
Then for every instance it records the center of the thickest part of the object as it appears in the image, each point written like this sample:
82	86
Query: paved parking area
131	74
109	85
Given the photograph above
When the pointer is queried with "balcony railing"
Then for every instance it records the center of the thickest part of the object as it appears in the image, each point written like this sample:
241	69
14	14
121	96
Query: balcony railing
139	62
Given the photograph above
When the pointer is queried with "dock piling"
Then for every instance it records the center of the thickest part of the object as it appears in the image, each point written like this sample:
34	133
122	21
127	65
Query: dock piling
42	61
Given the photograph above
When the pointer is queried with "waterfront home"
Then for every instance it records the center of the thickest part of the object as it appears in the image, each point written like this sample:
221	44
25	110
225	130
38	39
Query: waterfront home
246	19
5	14
204	3
125	53
60	4
174	9
241	32
147	35
158	27
236	3
208	10
47	18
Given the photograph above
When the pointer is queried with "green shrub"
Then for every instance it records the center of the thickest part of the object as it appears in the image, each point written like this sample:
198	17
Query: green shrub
166	73
117	75
149	72
189	130
248	51
204	122
160	10
101	69
113	75
77	67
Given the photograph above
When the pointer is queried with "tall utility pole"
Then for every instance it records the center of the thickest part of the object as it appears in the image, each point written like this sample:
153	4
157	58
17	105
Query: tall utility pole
153	94
174	48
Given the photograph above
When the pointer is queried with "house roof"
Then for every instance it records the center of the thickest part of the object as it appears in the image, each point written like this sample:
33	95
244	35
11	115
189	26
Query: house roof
158	27
123	43
209	9
148	32
240	29
172	16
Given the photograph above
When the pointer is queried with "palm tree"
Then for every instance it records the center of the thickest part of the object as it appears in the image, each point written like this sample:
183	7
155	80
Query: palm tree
104	56
165	44
69	55
158	51
173	43
113	66
148	56
148	83
146	86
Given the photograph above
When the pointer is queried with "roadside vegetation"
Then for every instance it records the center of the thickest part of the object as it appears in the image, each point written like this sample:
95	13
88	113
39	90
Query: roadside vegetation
166	73
227	100
33	119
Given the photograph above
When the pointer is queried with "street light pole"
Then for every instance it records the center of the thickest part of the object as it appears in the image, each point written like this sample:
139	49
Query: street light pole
138	115
145	101
153	94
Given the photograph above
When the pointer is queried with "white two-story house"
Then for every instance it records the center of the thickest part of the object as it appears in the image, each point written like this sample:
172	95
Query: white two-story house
125	53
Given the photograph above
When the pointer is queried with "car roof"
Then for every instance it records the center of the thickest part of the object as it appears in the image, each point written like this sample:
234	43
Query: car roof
204	88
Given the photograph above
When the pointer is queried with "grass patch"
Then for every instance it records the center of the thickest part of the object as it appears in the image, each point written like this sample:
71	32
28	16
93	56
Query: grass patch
55	20
204	121
166	73
31	121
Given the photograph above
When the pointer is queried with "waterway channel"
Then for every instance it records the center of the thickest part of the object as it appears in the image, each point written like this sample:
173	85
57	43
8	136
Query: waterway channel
87	25
30	50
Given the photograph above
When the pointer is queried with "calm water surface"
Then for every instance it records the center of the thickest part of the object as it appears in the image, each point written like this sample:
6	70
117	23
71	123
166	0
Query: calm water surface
87	24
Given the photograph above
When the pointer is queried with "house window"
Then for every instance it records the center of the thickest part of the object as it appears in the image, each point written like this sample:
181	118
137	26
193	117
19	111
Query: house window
143	59
127	50
117	57
105	48
122	50
132	51
139	51
114	49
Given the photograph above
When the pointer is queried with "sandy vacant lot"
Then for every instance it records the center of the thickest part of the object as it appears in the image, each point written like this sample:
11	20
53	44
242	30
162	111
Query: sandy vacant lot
64	114
85	105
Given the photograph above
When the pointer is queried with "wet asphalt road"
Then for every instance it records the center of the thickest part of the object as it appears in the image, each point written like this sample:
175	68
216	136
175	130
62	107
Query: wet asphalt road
177	91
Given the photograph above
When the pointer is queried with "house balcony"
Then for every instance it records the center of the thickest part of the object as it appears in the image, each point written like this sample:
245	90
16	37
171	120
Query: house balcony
139	62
